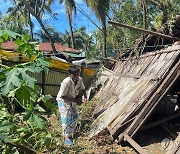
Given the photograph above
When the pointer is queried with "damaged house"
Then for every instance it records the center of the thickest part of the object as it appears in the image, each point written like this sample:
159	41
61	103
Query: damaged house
131	92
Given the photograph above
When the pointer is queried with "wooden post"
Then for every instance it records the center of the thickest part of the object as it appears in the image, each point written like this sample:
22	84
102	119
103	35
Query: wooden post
134	144
43	77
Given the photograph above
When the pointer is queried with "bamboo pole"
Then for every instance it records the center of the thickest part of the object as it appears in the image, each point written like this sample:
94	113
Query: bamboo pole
143	30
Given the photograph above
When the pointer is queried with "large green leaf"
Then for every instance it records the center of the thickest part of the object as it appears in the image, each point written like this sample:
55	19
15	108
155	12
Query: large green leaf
12	80
28	80
48	141
23	94
9	33
39	108
5	137
37	121
6	128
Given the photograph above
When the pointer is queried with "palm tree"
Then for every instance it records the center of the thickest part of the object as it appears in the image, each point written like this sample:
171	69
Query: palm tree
143	3
19	11
70	7
37	13
57	36
101	8
81	39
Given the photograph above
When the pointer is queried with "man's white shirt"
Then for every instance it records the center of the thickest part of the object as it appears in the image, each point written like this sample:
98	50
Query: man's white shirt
69	89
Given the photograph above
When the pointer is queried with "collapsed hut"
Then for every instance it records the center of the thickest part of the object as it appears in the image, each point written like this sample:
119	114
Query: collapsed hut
133	89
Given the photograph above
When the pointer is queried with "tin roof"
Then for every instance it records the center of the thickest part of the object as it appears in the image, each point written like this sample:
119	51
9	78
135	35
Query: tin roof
43	46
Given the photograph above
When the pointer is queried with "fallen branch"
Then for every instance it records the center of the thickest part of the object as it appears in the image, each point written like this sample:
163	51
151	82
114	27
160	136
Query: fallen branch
27	150
143	30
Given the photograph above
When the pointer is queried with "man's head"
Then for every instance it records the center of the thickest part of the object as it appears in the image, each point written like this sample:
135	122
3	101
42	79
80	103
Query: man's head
83	64
74	73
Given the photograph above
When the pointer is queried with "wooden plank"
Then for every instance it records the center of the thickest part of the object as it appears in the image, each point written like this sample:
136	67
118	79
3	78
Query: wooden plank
176	48
147	110
134	144
151	65
145	66
133	107
159	64
139	64
152	103
169	60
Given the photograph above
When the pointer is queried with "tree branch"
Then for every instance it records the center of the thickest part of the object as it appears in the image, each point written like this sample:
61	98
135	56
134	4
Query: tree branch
28	150
41	24
41	8
143	30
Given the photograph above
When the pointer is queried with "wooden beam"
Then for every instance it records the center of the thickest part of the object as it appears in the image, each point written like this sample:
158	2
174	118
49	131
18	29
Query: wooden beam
154	124
152	103
169	131
143	30
154	100
43	78
134	144
155	53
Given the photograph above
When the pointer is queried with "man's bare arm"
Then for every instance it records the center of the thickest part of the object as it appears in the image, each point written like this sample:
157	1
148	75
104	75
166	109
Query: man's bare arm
77	101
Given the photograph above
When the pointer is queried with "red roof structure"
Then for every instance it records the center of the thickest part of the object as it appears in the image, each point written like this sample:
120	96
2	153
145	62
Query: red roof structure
43	46
10	45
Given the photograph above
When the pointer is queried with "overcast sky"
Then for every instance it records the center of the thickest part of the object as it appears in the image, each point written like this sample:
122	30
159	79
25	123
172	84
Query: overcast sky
61	23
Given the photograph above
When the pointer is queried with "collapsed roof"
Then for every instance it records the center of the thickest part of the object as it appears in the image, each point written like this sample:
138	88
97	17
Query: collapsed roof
132	90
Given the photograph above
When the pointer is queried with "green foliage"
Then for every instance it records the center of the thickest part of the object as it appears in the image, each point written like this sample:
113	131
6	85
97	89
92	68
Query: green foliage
85	117
21	116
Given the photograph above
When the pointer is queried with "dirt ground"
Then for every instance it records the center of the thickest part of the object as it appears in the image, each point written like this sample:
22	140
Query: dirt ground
151	140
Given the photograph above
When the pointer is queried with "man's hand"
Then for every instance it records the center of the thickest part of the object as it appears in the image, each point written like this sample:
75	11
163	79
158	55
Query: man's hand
78	101
85	101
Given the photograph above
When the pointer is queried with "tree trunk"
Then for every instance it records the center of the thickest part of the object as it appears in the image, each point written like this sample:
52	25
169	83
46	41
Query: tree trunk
42	26
165	15
104	38
71	30
144	14
31	26
163	8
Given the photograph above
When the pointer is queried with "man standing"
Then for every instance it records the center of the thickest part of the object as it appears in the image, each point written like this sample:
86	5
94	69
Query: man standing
67	101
